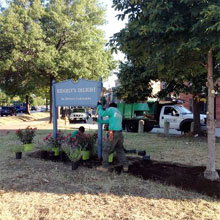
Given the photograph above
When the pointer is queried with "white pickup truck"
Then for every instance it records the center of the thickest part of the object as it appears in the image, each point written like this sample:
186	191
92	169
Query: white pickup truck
179	117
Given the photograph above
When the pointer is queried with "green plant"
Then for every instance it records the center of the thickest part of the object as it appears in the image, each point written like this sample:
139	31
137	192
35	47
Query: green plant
18	148
73	152
70	140
26	135
50	141
86	141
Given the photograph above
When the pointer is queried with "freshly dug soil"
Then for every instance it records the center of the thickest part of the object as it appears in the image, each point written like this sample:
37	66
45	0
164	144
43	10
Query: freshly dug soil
185	177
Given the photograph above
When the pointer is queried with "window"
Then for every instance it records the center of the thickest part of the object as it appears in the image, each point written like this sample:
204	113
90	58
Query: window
168	110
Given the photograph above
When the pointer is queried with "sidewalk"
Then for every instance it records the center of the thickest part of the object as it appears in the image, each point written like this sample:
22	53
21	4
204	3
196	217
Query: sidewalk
175	132
43	124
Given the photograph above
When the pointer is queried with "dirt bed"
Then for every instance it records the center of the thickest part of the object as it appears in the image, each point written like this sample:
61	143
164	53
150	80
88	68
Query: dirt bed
185	177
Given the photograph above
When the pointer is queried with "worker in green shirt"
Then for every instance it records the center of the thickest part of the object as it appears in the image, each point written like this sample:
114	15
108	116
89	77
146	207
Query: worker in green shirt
115	140
80	130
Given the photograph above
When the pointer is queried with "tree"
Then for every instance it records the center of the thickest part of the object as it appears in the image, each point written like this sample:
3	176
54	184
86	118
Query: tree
46	40
135	85
183	34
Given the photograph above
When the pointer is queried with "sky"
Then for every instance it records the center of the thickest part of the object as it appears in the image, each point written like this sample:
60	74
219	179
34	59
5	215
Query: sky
113	25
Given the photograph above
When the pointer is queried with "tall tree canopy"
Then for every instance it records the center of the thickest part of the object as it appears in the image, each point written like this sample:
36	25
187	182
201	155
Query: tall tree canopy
135	85
177	41
54	39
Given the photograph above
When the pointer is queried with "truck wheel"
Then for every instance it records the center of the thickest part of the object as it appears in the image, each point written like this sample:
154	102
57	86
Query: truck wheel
186	128
148	129
131	127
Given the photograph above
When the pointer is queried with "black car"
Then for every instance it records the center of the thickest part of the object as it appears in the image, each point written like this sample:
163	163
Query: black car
7	110
33	108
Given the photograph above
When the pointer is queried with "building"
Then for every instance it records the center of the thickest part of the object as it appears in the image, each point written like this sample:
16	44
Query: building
188	100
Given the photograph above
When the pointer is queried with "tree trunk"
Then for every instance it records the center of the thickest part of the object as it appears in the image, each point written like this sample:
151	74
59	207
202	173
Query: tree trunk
51	99
27	105
210	172
196	115
47	105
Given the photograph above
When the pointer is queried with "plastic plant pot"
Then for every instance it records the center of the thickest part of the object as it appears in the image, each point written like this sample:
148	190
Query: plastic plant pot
85	154
146	158
130	151
63	156
110	158
28	147
51	154
18	155
56	151
43	154
142	153
75	165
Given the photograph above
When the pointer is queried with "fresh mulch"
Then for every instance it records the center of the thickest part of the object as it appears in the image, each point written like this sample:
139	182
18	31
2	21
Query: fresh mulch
185	177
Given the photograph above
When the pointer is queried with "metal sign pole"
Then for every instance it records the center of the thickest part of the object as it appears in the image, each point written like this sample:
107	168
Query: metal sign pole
100	131
54	110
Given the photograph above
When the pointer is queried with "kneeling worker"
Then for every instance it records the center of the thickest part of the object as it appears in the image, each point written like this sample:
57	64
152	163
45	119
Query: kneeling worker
115	137
80	131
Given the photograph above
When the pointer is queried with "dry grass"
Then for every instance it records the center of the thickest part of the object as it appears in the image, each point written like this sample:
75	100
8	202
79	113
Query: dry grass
24	118
32	189
179	149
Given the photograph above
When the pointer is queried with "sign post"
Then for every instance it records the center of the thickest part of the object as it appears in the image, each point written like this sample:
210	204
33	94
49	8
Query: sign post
100	133
54	110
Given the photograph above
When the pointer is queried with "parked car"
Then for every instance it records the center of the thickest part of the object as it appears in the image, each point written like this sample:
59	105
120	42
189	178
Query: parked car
7	110
44	109
33	108
21	109
79	114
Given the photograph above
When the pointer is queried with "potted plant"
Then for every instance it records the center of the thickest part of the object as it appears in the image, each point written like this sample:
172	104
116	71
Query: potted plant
110	157
86	142
26	136
54	144
74	154
68	141
18	152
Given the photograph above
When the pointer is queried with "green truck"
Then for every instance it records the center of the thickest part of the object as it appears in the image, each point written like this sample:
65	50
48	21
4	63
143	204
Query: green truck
156	114
133	113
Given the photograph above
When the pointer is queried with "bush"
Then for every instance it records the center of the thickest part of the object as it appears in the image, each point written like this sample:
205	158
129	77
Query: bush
49	140
26	135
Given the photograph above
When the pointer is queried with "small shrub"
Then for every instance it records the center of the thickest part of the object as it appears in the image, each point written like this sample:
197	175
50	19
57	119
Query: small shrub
26	135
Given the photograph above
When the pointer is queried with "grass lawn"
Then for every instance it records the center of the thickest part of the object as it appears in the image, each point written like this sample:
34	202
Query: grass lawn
35	189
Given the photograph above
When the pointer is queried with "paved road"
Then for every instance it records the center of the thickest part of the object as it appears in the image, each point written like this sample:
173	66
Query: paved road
90	125
43	124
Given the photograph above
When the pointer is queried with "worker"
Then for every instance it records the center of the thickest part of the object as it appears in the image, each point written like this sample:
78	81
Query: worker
81	130
115	140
